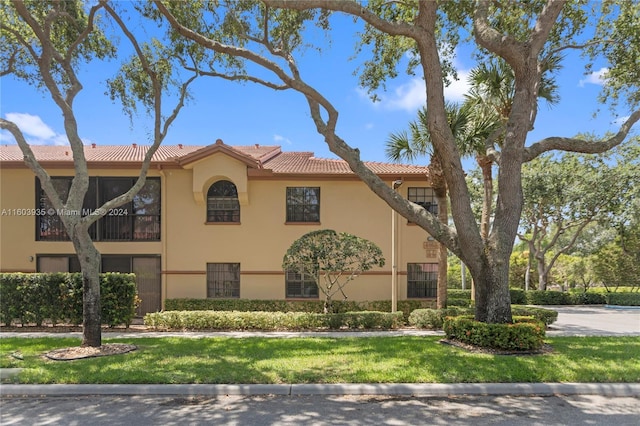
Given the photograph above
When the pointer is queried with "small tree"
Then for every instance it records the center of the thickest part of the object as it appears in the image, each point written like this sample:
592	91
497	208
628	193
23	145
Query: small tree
332	259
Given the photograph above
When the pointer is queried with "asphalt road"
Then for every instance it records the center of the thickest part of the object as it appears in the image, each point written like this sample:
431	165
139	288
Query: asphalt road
320	410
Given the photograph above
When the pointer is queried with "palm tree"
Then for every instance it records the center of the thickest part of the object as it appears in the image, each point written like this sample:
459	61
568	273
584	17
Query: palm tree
491	94
478	126
470	131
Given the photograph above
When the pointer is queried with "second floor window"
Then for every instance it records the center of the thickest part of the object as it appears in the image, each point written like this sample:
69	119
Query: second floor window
138	220
222	202
423	197
303	204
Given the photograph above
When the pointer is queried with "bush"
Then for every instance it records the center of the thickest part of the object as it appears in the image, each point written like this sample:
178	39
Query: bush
546	316
459	294
623	299
57	297
458	302
547	297
583	298
317	306
434	318
518	297
234	320
525	334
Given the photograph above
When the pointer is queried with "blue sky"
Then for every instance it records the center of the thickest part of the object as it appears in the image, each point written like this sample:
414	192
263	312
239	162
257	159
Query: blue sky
245	114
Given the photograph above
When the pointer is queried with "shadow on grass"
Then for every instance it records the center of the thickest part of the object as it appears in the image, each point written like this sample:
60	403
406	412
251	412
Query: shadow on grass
325	360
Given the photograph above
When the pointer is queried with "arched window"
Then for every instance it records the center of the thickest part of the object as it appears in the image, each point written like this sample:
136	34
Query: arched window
222	202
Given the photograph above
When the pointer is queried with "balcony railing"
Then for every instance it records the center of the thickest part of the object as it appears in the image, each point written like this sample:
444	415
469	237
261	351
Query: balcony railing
109	228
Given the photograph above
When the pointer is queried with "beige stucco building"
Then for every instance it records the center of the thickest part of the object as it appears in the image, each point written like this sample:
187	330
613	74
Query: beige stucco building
214	221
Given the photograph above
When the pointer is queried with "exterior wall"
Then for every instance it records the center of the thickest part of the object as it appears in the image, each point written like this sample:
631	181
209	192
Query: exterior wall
261	239
258	243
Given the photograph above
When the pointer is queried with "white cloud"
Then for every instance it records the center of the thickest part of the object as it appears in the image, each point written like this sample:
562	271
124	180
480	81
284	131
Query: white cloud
411	96
35	131
596	77
458	88
368	126
281	139
31	125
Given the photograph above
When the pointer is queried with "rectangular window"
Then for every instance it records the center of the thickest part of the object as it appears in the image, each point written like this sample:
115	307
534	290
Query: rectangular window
303	204
423	197
58	263
422	280
300	285
223	280
138	220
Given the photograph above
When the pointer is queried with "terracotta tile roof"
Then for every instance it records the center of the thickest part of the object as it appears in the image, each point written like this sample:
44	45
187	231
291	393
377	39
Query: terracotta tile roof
305	162
267	157
123	153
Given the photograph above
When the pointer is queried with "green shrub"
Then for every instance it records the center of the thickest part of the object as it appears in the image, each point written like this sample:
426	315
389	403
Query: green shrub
459	294
546	316
260	320
587	298
57	297
548	297
525	334
518	297
433	318
458	302
317	306
623	299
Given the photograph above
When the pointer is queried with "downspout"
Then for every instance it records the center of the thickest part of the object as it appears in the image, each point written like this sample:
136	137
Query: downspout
163	221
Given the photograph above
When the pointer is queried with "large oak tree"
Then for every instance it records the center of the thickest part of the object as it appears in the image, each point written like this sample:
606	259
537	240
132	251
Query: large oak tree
269	34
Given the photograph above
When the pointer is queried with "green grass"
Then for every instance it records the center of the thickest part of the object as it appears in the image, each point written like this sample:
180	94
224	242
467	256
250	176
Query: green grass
325	360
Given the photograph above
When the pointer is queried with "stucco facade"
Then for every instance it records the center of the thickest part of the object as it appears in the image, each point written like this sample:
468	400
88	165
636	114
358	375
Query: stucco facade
187	240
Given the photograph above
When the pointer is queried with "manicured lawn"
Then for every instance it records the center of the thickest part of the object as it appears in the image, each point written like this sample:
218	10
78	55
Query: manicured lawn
325	360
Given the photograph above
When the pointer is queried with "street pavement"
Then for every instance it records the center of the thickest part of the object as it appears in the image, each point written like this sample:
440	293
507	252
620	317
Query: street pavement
320	410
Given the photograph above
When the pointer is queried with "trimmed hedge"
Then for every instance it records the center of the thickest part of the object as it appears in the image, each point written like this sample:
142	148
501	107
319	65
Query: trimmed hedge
623	299
546	316
583	298
57	298
260	320
548	297
434	318
453	293
525	334
317	306
517	296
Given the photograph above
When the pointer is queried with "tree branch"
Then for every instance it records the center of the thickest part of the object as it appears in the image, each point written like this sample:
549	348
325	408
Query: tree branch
354	8
579	145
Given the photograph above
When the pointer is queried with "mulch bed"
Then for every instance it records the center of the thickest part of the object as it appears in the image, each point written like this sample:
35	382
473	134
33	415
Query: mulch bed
81	352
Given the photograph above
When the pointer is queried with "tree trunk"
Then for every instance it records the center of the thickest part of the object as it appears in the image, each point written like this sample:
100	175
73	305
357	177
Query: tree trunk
487	197
542	273
440	191
492	297
89	258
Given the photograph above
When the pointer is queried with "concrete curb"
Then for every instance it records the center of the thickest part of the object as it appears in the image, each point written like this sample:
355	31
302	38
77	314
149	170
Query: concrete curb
407	389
